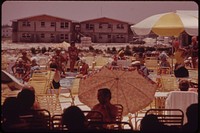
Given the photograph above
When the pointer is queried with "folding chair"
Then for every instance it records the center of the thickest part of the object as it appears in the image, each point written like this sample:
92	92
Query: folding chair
57	125
164	70
166	117
41	81
151	63
111	126
50	102
43	62
37	120
137	117
168	83
94	116
120	112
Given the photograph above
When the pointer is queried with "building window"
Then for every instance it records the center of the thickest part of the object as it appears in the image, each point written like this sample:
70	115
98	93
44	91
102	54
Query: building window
66	36
52	36
109	26
61	36
89	26
26	23
52	24
120	26
42	36
26	35
42	24
100	26
64	25
120	36
109	36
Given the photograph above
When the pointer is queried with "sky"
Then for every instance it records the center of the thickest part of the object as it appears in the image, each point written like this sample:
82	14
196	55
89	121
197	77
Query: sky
128	11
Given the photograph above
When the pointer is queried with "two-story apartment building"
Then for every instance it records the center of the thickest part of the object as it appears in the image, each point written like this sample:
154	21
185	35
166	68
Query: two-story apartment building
6	31
42	28
105	30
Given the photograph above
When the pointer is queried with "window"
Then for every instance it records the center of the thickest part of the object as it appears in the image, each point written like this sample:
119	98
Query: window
62	36
120	26
66	36
52	36
52	24
64	25
23	35
42	36
120	36
100	26
42	24
89	26
109	26
26	23
109	36
26	35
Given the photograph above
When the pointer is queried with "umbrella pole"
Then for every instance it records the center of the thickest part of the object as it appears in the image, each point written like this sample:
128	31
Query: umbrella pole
172	61
172	55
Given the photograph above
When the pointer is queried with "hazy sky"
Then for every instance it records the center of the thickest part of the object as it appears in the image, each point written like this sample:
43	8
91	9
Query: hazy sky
128	11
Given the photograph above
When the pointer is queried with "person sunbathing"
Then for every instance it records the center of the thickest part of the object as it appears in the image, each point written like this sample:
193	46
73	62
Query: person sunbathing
84	68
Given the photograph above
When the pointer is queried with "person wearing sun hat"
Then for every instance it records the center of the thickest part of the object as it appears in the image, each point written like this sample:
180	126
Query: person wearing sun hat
73	55
140	67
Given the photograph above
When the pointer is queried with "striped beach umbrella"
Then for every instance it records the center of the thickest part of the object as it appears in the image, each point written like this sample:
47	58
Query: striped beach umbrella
167	24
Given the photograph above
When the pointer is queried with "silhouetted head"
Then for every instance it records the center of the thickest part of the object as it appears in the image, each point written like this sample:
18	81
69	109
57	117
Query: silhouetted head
10	109
73	118
104	95
184	85
192	113
26	98
150	123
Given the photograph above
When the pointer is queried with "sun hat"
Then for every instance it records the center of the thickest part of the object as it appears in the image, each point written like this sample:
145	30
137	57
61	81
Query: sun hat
135	63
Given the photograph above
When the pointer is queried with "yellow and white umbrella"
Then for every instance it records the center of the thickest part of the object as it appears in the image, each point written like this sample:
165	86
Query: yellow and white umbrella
167	24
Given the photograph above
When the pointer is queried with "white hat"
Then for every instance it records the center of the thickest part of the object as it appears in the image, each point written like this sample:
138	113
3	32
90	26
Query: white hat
136	63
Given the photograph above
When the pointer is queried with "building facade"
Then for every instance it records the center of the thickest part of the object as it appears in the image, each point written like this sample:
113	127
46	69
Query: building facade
105	30
42	28
6	31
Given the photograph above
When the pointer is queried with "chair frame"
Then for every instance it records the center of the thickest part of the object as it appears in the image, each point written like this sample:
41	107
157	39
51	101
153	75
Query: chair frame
166	118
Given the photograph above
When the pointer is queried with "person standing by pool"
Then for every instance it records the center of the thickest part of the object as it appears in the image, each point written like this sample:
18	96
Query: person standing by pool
179	55
73	55
194	51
